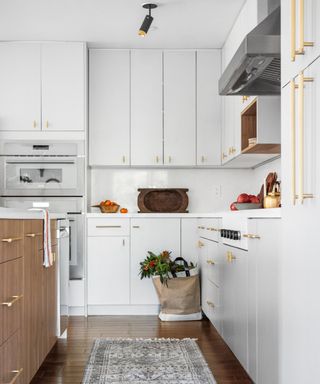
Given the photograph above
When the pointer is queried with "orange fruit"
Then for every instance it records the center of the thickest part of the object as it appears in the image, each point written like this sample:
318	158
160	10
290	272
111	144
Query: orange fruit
107	203
123	210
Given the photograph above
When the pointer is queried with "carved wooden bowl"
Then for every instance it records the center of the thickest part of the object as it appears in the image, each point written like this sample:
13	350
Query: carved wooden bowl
163	200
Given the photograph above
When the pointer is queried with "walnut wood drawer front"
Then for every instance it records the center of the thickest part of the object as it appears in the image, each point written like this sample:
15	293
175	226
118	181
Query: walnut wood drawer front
209	228
11	239
108	227
11	366
11	297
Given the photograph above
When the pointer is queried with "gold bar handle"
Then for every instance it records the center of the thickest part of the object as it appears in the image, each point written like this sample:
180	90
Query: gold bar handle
293	88
11	239
157	159
211	262
108	226
17	373
34	124
251	236
293	30
201	227
302	43
210	303
301	81
14	300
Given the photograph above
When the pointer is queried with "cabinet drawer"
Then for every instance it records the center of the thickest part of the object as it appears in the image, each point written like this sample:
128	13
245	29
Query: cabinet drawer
108	227
11	239
11	369
11	274
211	303
209	229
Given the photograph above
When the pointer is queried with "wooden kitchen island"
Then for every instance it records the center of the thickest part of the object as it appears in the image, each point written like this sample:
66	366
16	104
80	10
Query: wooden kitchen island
28	297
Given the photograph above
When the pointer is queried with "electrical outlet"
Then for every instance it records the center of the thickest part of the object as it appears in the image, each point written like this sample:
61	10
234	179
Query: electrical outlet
218	191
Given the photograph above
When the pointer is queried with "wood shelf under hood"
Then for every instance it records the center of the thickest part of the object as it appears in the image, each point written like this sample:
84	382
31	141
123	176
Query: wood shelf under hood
260	124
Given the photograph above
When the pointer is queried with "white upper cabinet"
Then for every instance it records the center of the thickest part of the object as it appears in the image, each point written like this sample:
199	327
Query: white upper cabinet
179	108
109	107
300	36
20	93
208	108
63	86
42	86
146	108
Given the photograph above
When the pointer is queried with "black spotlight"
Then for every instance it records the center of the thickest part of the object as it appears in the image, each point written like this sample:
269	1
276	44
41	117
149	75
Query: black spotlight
147	20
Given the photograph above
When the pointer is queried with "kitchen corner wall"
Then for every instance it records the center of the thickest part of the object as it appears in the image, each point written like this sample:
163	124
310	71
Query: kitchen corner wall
209	189
260	173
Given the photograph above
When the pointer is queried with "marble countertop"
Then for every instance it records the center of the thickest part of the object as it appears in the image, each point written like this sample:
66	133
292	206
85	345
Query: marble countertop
9	213
250	213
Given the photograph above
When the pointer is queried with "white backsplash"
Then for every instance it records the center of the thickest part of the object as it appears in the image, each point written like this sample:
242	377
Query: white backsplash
204	184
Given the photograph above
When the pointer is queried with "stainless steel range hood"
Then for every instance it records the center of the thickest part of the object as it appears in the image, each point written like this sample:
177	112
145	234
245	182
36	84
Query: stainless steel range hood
255	67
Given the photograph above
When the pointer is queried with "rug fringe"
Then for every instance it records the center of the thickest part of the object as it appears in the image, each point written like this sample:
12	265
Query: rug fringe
144	339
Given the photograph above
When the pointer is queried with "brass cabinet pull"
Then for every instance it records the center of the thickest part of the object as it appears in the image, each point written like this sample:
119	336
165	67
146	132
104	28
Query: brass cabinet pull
212	229
233	150
123	159
301	81
224	156
46	124
17	373
14	300
230	257
33	234
211	262
200	244
108	226
302	44
11	239
157	159
210	303
293	88
170	159
251	236
201	227
34	124
202	159
245	98
136	226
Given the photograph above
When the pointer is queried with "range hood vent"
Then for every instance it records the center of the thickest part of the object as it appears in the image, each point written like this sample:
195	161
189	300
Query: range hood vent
255	67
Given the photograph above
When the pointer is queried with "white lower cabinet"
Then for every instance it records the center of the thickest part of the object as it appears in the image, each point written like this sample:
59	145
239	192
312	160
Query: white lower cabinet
108	272
234	299
154	235
263	366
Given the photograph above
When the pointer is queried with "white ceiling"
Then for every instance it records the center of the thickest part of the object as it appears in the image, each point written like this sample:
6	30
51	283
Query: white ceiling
114	23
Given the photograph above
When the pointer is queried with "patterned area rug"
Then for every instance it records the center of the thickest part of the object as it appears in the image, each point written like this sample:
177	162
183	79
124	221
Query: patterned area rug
140	361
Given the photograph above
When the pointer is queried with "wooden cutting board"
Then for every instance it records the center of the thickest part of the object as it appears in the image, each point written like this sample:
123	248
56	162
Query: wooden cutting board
163	200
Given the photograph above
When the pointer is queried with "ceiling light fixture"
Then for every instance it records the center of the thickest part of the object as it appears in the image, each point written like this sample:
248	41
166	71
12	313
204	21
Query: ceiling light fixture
147	20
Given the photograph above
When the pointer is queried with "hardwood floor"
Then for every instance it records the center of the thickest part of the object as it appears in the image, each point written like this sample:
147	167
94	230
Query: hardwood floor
67	360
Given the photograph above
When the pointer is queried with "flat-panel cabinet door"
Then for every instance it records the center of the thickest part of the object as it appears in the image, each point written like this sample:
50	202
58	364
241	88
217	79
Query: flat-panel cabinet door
146	108
228	128
295	56
179	108
20	97
264	295
63	86
108	270
154	235
11	365
109	107
208	108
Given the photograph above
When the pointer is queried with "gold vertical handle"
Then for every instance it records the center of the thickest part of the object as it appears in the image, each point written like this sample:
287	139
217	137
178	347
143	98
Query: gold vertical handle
157	159
202	159
123	159
293	30
46	124
301	81
170	159
34	124
293	139
224	156
302	43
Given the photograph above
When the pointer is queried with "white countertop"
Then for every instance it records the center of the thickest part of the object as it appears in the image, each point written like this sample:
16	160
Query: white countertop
250	213
8	213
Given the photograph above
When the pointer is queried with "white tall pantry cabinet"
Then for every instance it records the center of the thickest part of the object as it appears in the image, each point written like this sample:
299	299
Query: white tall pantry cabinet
299	305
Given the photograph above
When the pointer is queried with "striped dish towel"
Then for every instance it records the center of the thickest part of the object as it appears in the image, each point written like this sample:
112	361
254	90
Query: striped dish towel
47	251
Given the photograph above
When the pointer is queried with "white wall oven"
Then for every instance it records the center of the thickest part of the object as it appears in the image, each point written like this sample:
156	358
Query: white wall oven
42	169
